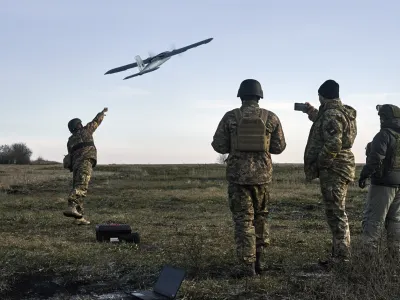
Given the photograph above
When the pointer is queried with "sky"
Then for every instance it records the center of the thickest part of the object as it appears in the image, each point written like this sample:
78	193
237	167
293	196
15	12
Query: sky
54	55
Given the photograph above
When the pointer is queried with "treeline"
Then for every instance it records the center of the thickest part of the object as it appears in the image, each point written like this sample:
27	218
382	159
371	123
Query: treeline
17	153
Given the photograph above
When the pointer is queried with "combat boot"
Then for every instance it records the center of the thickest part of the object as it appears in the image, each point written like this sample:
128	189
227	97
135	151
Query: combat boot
80	209
247	270
81	221
72	211
334	260
260	261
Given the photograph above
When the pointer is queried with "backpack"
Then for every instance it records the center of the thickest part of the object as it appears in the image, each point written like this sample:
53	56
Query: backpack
67	162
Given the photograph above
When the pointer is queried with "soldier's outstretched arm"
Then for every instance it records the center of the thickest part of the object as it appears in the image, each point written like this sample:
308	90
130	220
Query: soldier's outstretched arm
92	126
332	130
278	142
222	139
377	153
312	112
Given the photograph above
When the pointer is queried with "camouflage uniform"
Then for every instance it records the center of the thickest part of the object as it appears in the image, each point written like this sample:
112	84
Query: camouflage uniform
83	160
328	156
249	175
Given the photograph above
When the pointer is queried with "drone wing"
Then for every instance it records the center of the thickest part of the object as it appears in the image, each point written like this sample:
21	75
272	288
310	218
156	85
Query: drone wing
126	67
140	73
122	68
183	49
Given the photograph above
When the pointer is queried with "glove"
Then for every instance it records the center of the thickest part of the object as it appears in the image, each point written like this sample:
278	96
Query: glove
309	108
361	182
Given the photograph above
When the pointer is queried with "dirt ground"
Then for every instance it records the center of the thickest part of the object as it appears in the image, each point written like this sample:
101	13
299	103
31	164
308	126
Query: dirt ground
181	213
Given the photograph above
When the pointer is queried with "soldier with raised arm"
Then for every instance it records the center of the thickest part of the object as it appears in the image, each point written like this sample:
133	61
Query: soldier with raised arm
250	135
83	155
328	156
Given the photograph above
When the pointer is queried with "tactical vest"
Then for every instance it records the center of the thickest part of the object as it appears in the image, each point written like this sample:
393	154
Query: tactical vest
250	132
392	160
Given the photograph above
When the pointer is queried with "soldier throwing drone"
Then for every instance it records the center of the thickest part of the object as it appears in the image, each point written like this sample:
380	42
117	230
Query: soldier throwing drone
81	158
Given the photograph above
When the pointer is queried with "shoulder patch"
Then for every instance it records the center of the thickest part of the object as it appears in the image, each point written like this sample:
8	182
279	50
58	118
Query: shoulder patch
332	128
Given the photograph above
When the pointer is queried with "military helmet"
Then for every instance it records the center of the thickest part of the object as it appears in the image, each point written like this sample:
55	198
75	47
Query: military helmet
73	124
250	87
388	111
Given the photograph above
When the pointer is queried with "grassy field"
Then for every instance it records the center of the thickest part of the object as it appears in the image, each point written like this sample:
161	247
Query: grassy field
182	215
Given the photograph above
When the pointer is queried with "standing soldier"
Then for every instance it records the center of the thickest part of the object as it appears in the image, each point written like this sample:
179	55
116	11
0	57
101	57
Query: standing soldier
328	156
83	155
250	135
382	209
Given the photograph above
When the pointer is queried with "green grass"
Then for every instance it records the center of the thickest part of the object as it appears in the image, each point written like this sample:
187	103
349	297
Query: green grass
182	215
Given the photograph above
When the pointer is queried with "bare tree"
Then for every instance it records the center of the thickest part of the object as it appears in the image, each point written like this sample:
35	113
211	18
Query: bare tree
221	159
6	155
17	153
21	153
40	160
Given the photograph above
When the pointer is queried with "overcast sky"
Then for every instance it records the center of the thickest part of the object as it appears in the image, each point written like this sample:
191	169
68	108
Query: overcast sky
54	55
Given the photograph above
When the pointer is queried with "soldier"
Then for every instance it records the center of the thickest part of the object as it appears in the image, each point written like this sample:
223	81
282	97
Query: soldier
83	154
328	156
250	135
382	209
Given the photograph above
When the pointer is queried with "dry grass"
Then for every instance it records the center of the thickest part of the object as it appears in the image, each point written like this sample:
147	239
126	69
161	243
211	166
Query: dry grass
182	216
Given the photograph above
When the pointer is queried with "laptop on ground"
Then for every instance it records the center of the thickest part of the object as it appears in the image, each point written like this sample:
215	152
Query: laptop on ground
166	287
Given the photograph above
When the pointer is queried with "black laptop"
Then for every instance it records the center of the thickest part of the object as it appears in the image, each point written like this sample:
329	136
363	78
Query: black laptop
166	287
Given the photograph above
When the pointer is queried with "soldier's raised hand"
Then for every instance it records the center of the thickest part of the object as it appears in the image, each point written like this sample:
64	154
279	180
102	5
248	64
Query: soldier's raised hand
308	106
105	110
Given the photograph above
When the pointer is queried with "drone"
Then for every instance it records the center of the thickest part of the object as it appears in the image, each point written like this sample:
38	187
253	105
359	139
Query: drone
153	63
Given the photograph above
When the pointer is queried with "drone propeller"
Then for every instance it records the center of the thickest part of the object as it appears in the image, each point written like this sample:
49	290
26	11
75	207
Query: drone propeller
173	48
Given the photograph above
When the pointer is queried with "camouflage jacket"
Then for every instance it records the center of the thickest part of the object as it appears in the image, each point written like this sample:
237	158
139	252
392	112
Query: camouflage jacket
85	135
248	167
330	140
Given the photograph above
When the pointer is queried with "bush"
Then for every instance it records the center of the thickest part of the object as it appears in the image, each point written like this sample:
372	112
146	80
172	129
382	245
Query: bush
17	153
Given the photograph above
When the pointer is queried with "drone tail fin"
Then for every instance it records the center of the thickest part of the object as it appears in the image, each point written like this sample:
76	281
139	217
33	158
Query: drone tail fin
139	62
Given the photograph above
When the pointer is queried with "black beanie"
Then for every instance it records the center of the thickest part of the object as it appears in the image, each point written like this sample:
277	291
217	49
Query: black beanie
329	89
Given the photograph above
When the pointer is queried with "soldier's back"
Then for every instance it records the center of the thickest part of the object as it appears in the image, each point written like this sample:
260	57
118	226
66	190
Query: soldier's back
247	166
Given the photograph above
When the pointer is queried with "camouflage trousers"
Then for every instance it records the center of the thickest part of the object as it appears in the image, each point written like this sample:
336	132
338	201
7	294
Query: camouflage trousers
334	191
382	211
248	204
82	172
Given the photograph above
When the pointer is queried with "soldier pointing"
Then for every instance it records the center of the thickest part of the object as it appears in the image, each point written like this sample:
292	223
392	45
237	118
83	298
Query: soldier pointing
83	155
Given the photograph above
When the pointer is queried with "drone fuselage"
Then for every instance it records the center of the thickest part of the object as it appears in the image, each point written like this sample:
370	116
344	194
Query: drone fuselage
155	63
